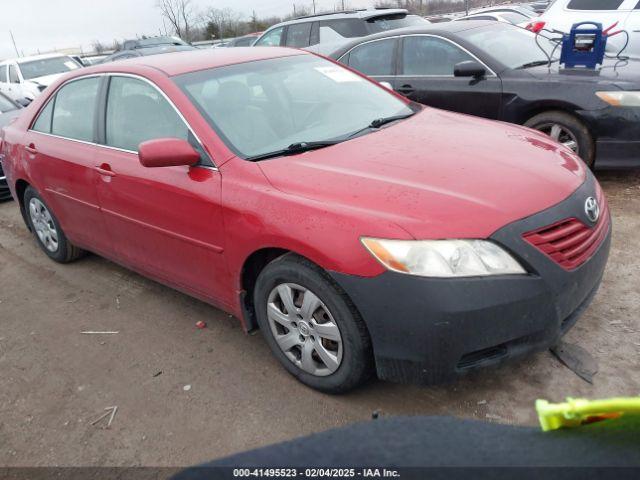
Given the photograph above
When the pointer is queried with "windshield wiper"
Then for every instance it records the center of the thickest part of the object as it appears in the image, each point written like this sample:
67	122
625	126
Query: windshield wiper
379	122
537	63
295	148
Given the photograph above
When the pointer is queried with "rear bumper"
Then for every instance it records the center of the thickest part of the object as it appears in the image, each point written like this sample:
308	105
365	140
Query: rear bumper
427	330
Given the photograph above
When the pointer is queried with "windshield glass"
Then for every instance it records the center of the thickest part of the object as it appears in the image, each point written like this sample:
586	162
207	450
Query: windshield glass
512	46
6	105
392	22
47	66
266	106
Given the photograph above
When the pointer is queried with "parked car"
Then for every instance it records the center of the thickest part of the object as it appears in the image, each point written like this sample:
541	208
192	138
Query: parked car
245	41
497	71
26	77
152	42
539	7
146	51
359	231
506	17
562	14
523	9
325	32
8	111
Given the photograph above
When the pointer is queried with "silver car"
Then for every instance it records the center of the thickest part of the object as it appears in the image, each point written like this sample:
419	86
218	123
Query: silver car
324	33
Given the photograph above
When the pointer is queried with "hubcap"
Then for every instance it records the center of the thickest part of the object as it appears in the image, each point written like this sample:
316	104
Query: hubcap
43	224
561	135
304	329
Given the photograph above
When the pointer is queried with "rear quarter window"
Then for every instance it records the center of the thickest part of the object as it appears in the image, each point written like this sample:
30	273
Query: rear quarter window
594	4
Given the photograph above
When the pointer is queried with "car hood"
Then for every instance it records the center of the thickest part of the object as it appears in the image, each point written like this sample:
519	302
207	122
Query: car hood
46	80
436	175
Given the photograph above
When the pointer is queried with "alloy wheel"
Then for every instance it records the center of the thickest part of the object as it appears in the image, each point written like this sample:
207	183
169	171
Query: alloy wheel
43	224
304	329
561	135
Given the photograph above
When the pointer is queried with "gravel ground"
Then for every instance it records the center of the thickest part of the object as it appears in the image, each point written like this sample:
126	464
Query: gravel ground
54	381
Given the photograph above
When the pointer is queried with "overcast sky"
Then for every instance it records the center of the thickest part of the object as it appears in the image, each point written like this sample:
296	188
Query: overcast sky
44	25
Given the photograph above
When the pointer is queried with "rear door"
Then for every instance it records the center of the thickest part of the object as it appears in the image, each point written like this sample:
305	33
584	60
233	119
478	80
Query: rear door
165	222
61	155
426	75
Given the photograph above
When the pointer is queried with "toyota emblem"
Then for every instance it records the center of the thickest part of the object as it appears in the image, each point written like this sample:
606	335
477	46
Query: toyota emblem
592	209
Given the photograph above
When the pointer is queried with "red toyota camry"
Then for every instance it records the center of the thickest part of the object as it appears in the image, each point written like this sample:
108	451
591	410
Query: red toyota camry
359	232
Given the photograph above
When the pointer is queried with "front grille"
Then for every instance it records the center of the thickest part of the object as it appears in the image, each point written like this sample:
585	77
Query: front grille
570	242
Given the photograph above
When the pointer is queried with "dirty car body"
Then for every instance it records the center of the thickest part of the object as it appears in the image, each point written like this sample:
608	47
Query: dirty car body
359	231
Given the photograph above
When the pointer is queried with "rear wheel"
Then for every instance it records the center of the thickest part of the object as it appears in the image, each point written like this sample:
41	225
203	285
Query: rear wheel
311	326
47	230
567	130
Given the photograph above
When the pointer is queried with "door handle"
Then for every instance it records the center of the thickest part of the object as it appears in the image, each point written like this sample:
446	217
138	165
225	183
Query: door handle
31	148
105	170
406	89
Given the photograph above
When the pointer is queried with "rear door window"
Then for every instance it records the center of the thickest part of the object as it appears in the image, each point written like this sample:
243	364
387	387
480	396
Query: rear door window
374	58
3	73
431	56
74	109
338	30
43	123
137	112
594	4
298	35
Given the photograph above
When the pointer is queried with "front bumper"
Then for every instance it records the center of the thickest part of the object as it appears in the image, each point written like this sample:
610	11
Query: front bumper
428	330
617	132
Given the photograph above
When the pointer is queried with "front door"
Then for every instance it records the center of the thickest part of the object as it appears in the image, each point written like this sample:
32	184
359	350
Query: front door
165	222
426	75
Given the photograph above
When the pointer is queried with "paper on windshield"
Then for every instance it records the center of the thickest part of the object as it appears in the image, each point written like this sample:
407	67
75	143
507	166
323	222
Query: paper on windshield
338	75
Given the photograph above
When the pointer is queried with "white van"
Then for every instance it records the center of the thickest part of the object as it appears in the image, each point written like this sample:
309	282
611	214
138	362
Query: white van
26	77
562	14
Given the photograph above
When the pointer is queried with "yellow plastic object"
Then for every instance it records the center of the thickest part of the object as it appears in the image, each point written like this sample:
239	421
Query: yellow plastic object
579	411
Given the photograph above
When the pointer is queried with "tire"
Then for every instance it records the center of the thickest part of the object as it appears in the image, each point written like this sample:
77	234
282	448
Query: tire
55	245
571	127
353	352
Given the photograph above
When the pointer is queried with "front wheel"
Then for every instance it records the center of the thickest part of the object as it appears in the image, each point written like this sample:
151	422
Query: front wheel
311	326
567	130
47	229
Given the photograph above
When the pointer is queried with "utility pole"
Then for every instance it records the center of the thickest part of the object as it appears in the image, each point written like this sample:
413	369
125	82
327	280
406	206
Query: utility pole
14	43
466	6
314	7
294	11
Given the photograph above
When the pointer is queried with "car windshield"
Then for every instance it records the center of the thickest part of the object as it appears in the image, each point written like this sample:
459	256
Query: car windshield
266	106
6	105
512	46
392	22
47	66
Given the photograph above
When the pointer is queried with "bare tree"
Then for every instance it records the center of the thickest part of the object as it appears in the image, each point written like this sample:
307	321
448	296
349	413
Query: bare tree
98	47
223	22
180	15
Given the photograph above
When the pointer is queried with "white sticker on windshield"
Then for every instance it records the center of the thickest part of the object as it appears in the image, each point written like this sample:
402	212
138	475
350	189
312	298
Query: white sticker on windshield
71	65
339	75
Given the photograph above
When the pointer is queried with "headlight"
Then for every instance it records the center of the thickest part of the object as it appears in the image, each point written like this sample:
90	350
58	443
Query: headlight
443	258
620	98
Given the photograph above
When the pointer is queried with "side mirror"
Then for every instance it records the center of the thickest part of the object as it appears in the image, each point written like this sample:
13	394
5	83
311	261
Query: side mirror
167	152
469	69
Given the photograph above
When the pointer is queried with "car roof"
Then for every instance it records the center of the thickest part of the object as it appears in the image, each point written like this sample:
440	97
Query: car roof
33	57
443	28
360	14
178	63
